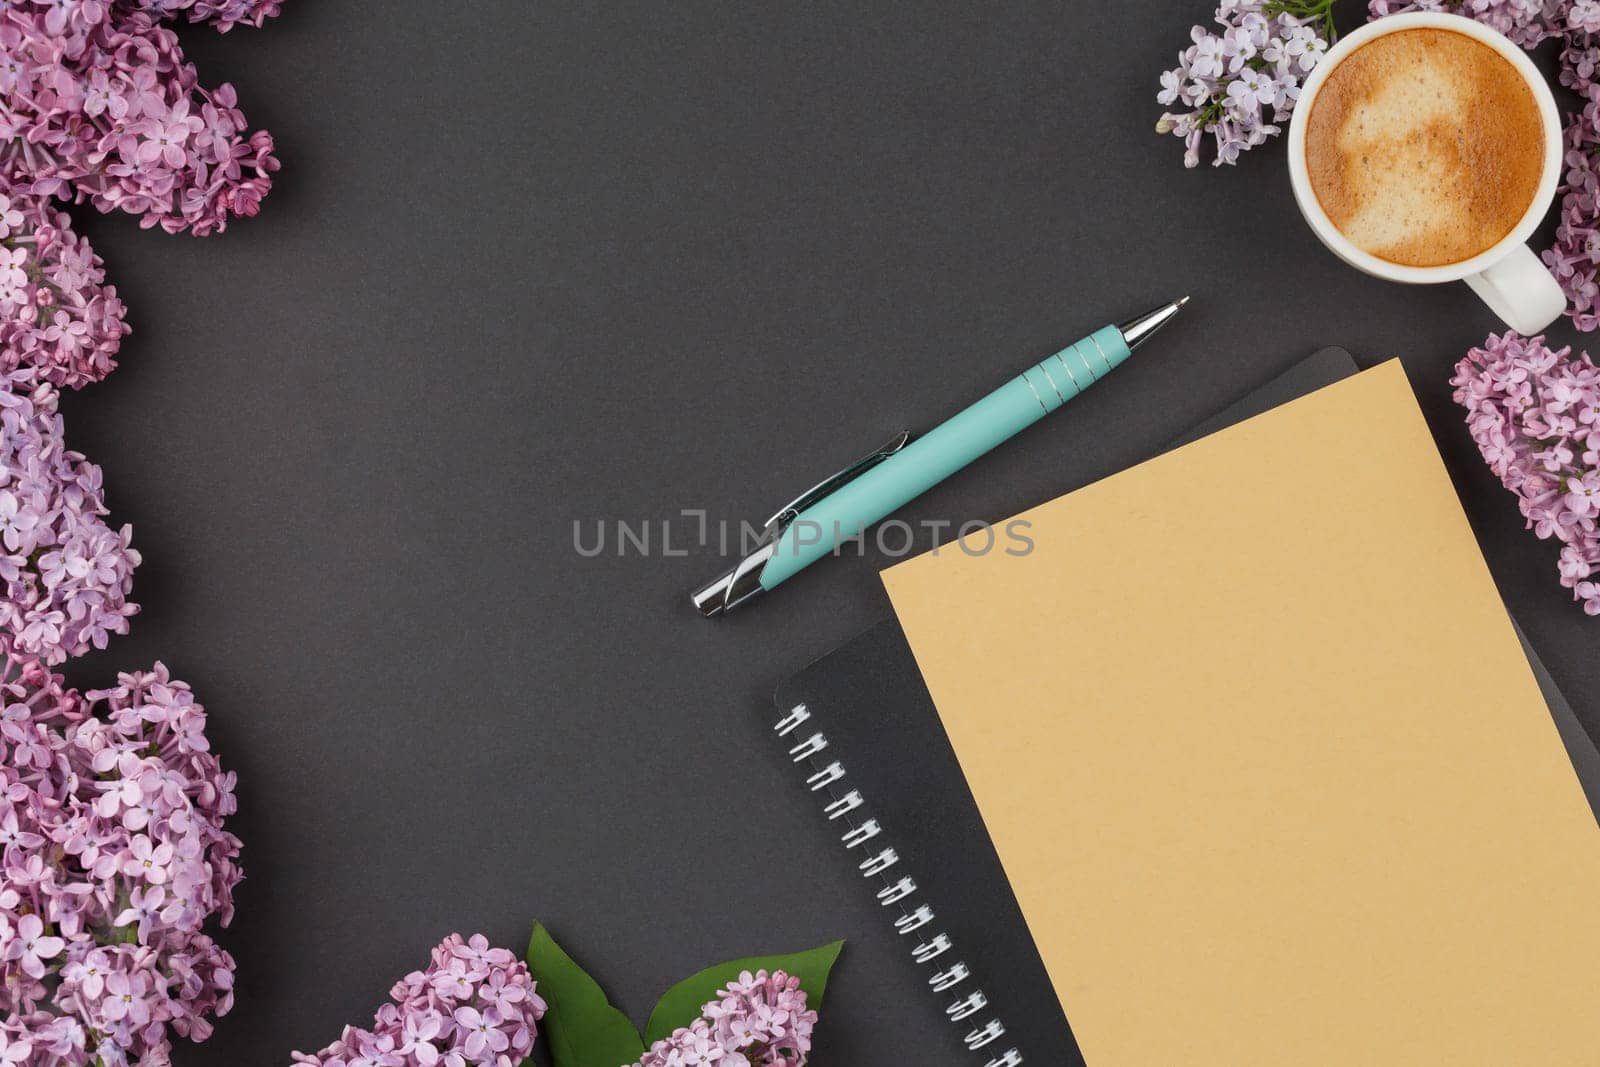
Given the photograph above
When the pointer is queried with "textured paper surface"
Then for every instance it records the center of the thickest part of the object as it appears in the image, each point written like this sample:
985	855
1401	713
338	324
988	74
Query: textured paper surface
1263	758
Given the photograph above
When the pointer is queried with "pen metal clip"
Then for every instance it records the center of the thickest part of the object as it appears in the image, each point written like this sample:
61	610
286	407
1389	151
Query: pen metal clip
790	511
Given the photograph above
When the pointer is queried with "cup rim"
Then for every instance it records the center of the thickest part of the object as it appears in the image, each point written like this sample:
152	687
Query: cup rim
1342	246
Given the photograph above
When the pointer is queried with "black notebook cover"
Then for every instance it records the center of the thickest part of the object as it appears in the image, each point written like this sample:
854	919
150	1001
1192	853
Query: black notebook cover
868	700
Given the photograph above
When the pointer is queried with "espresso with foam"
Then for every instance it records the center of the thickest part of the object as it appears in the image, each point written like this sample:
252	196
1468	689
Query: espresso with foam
1425	147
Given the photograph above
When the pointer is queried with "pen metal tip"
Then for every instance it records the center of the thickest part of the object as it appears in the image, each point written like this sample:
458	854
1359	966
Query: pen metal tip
1138	331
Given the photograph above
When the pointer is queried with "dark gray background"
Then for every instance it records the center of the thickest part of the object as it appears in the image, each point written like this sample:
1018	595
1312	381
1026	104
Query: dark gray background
529	264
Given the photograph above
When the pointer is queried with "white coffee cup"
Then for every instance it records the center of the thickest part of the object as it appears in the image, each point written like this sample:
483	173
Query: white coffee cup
1509	277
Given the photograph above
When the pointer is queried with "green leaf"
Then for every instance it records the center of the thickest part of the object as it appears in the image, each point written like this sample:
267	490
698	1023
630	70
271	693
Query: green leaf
581	1026
681	1004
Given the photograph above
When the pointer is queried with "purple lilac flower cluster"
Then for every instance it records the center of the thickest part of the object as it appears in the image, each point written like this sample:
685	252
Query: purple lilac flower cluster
98	104
472	1005
1527	22
57	315
114	858
225	14
64	574
1575	256
1239	84
761	1020
1535	414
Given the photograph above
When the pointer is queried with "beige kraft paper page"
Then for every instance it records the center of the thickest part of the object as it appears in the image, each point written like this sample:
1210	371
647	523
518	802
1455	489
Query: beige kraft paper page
1264	760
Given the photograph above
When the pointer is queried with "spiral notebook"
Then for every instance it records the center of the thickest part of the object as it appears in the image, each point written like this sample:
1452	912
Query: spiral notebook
867	740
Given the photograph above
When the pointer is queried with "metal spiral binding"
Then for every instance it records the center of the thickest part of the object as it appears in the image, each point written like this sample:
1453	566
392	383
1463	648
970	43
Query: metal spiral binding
896	892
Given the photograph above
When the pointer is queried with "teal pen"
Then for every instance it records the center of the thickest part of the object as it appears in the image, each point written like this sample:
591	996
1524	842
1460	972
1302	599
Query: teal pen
841	507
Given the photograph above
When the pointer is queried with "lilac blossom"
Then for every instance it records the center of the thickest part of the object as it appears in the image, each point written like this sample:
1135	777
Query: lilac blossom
98	104
1527	22
1239	84
64	574
224	14
102	959
760	1020
1535	415
57	315
1575	256
473	1004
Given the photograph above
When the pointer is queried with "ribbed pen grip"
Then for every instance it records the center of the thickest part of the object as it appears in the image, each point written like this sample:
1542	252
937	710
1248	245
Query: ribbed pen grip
1056	379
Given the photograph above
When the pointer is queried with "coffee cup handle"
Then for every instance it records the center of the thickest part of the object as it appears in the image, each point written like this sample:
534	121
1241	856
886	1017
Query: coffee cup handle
1521	291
